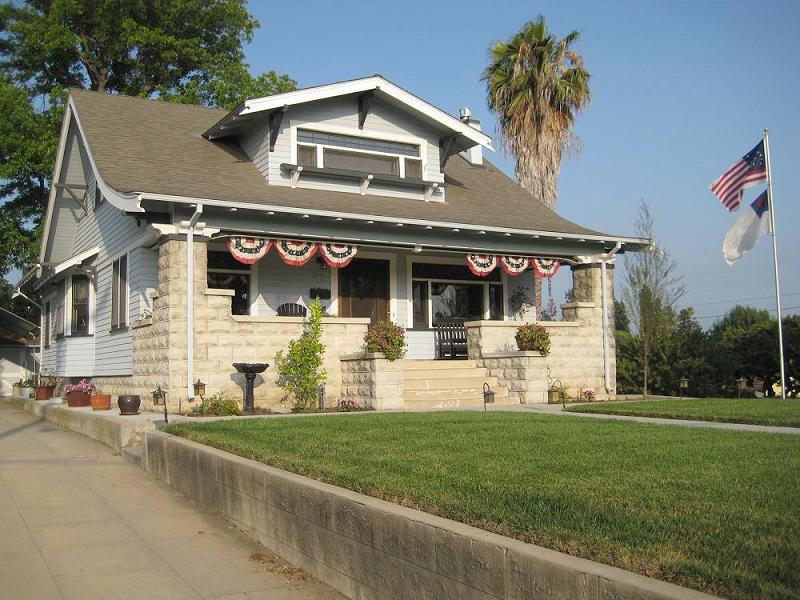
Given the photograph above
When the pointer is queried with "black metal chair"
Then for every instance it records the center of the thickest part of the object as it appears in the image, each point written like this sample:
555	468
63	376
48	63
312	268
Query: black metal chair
451	339
292	309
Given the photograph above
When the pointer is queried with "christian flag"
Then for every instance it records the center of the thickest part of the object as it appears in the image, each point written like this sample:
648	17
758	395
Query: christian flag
747	230
749	170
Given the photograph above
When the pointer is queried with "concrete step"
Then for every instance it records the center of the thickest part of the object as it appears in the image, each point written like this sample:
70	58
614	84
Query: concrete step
134	454
475	394
411	365
471	382
456	371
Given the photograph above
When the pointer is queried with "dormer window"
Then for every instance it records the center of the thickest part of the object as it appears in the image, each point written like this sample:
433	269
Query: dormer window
351	153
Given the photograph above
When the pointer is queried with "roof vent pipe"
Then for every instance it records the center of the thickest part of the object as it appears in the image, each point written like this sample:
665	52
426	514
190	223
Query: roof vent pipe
474	155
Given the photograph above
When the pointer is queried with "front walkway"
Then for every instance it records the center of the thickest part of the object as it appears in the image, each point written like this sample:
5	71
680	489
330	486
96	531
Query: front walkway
555	409
78	522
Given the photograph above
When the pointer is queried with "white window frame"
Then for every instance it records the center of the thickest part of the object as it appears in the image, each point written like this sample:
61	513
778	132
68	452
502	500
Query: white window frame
362	133
68	308
125	301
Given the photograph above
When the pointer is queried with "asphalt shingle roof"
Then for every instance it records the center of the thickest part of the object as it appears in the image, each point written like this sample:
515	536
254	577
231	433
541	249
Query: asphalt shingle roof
156	147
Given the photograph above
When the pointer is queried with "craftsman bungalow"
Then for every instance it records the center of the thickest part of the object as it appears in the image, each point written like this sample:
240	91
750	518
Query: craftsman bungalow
180	239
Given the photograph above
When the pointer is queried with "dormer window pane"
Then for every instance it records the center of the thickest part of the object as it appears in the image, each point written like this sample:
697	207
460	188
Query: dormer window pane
413	168
307	156
356	143
374	164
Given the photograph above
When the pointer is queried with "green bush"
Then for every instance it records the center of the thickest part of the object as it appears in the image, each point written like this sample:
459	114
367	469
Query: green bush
387	338
218	405
533	337
300	371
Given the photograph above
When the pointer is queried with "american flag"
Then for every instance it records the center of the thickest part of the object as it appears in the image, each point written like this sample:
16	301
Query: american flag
749	170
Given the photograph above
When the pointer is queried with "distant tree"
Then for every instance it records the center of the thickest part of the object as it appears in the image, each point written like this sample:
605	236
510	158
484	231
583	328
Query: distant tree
791	348
727	336
621	320
184	50
629	363
651	290
536	83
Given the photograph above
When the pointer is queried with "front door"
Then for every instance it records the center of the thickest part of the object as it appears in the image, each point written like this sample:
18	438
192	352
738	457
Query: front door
364	289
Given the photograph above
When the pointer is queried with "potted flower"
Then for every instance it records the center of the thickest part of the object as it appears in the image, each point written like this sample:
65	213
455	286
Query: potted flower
78	394
386	338
23	388
588	395
45	387
532	337
100	401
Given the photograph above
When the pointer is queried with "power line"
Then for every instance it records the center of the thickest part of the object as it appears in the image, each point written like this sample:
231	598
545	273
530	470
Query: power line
739	300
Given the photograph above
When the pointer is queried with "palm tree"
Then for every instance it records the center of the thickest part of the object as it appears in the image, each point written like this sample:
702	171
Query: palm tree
536	85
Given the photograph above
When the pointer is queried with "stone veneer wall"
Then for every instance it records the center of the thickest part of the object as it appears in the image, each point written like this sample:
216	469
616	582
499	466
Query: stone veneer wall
220	339
523	374
373	380
576	352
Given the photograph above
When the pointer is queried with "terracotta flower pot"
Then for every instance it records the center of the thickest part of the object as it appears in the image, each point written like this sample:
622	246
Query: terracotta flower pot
76	399
100	401
44	392
129	404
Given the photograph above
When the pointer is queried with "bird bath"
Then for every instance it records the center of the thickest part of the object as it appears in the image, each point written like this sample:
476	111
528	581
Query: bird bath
250	371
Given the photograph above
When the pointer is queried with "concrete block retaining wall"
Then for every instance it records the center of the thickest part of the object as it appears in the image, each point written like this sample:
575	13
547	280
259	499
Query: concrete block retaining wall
371	549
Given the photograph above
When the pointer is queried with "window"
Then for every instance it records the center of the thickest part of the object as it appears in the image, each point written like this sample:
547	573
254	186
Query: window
353	153
359	161
60	299
119	293
496	311
226	273
46	325
79	321
420	302
307	156
462	301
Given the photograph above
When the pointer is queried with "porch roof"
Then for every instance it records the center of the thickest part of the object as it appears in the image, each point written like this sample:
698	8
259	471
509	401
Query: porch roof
153	147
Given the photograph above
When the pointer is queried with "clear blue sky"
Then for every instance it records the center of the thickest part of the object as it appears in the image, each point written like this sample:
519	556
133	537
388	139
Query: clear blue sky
681	90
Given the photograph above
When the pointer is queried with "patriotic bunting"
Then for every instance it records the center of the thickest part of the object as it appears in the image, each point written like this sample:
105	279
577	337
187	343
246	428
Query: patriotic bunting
248	250
294	252
338	255
481	264
514	265
545	267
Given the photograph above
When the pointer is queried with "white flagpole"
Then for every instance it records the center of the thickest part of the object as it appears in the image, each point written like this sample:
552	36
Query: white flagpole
775	256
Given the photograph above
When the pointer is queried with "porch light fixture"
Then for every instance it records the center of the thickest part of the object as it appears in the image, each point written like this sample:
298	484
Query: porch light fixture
683	384
741	383
323	266
417	248
488	396
199	388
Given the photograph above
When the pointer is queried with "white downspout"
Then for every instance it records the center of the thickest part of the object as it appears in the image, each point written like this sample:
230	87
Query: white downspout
189	226
604	304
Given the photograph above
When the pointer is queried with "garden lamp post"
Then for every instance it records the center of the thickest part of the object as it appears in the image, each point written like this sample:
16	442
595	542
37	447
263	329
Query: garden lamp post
741	383
683	384
199	388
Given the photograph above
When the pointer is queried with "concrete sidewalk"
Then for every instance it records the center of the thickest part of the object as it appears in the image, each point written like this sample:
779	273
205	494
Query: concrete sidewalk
76	521
555	409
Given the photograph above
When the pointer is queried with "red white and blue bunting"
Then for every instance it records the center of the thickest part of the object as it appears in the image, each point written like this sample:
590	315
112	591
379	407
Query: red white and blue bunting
294	252
248	250
545	267
338	256
481	264
514	265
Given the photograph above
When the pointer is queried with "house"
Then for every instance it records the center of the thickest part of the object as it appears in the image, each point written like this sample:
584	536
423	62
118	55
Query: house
18	351
361	194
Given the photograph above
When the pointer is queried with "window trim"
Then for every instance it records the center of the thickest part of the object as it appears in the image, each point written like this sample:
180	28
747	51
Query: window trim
362	133
46	331
124	302
72	331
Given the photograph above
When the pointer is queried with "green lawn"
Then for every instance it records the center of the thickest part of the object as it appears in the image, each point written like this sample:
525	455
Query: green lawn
714	510
756	411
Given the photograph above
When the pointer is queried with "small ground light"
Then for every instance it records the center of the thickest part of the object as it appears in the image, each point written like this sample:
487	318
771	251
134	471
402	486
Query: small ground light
488	396
683	383
199	388
160	397
741	383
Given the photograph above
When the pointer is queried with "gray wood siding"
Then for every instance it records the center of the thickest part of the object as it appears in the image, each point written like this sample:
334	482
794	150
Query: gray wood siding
255	144
279	283
420	345
69	357
342	112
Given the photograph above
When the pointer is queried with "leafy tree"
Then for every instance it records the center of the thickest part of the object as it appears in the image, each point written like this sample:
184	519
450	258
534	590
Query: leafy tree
182	50
727	336
536	83
629	358
791	348
621	320
651	291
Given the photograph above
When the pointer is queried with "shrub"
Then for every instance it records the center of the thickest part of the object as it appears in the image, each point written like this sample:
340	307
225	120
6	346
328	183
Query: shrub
588	395
533	337
387	338
218	405
300	371
349	405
